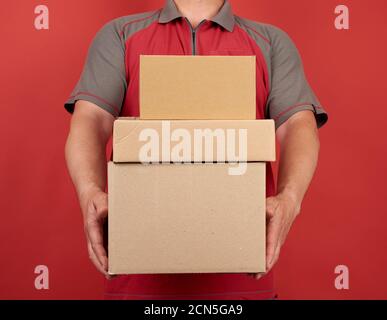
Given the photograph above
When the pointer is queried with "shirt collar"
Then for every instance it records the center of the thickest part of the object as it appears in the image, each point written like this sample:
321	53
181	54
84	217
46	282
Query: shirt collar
224	17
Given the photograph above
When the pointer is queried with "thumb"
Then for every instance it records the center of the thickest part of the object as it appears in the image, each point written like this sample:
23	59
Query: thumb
100	204
97	211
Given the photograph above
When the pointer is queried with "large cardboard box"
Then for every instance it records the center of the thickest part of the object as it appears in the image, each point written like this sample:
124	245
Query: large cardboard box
193	140
197	87
186	218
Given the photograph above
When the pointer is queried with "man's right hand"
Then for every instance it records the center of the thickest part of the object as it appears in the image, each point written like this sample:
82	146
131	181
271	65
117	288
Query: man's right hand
90	130
95	214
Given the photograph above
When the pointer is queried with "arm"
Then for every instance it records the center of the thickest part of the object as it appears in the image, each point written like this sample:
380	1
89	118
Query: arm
85	150
298	138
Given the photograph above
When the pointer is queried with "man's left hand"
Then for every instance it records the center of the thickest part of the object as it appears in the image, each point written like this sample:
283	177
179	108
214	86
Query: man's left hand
281	212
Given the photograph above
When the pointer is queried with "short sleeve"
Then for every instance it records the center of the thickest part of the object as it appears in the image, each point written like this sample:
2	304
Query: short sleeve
290	91
103	79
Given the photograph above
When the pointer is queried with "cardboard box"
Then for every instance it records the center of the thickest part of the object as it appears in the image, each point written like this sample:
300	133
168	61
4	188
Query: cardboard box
197	87
175	140
186	218
191	217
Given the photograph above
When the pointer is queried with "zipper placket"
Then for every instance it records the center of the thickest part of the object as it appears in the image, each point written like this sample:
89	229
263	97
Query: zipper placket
193	35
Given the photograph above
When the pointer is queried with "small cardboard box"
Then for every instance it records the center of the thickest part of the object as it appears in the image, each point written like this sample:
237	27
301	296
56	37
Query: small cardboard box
193	140
186	218
197	87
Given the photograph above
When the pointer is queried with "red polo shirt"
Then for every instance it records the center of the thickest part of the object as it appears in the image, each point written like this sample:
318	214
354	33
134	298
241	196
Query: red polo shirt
110	79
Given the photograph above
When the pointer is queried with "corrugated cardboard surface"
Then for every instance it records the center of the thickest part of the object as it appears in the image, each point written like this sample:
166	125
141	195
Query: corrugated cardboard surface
197	87
260	138
186	218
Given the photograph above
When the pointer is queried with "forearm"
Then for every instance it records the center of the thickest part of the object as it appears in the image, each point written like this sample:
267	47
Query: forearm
86	154
299	155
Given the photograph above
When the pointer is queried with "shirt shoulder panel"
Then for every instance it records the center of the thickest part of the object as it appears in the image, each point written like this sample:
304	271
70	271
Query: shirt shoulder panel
127	25
103	79
269	38
290	91
257	30
268	35
260	34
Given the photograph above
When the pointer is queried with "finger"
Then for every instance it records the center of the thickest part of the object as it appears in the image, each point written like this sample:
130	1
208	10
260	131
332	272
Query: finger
94	259
101	205
273	234
271	207
275	258
285	233
281	239
256	276
259	275
95	236
272	228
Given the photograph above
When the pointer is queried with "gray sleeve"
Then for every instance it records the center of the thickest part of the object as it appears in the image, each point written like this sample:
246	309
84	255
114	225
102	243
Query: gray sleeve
290	91
103	79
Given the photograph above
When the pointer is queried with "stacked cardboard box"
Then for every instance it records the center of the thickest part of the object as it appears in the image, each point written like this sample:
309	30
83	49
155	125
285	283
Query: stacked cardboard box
187	181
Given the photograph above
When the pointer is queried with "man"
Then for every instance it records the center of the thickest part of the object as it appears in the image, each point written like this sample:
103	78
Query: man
108	88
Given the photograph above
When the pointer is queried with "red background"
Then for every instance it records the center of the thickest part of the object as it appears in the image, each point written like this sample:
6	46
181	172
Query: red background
343	219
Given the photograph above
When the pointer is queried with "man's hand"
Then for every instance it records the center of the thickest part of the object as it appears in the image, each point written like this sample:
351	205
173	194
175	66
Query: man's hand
299	141
91	128
281	212
95	214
